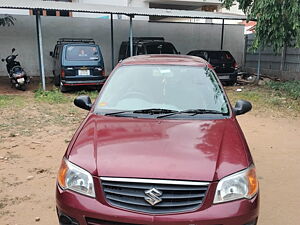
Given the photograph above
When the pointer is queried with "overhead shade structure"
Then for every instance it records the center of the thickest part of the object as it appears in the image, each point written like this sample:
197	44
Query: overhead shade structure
112	41
37	5
106	9
40	49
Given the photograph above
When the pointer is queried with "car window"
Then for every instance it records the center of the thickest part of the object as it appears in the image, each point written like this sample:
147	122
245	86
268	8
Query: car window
123	51
160	48
201	54
82	53
141	50
220	56
162	86
55	54
133	50
55	51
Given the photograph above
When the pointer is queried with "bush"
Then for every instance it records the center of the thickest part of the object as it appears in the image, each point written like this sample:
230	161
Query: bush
53	97
289	88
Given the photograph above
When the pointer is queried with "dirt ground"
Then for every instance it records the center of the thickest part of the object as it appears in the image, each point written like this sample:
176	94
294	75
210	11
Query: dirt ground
34	136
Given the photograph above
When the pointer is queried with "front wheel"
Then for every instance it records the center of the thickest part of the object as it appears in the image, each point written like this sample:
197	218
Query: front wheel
56	80
232	82
22	87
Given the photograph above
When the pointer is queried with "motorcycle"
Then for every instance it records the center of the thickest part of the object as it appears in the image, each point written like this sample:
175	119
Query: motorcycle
16	73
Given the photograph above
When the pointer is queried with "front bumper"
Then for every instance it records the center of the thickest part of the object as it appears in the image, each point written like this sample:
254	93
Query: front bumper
89	211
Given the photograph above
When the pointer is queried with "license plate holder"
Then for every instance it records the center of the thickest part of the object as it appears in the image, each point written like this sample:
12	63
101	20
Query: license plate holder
226	77
21	80
84	72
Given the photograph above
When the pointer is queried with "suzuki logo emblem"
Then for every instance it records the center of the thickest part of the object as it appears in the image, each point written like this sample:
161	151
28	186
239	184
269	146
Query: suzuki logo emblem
153	196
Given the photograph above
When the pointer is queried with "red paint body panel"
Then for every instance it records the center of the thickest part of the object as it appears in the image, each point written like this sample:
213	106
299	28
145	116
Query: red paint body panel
193	150
161	149
179	60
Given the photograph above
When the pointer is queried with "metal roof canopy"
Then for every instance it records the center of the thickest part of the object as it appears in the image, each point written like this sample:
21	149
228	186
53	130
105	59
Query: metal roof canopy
106	9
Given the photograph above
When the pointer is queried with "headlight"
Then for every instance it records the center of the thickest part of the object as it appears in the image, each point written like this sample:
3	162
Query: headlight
76	179
240	185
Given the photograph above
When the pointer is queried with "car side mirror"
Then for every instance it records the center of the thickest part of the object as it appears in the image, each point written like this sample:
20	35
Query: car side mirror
51	54
83	102
13	50
242	107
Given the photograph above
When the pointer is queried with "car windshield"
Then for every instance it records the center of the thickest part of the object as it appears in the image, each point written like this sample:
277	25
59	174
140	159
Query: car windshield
220	56
160	48
82	53
166	87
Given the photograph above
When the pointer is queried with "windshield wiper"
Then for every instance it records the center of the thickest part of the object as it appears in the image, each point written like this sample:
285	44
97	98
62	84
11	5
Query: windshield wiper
143	111
194	112
116	113
202	111
155	111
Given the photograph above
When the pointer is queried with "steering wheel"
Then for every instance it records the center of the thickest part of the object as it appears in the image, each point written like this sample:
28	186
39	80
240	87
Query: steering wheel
138	95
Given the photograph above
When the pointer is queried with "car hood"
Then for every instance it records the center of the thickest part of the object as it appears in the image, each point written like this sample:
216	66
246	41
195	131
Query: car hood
202	150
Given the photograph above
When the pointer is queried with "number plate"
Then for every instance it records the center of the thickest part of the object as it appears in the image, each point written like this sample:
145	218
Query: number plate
224	77
21	80
83	72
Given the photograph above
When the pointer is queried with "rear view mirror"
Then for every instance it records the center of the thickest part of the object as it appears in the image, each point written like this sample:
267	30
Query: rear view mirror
83	102
242	107
51	54
13	50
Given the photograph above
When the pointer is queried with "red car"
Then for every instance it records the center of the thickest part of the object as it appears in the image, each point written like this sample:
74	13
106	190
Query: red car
160	145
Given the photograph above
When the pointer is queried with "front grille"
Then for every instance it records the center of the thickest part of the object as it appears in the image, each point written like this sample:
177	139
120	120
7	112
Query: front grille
173	196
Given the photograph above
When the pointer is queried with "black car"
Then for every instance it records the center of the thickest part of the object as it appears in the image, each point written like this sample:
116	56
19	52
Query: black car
145	46
223	62
77	62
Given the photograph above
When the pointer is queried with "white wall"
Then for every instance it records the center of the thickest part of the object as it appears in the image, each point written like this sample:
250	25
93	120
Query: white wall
234	9
124	3
14	11
185	37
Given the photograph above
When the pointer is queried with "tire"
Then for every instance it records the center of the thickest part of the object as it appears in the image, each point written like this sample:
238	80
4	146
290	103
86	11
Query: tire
98	88
62	88
23	87
231	82
56	81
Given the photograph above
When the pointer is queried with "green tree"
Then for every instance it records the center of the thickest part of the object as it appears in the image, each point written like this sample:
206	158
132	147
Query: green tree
7	20
278	21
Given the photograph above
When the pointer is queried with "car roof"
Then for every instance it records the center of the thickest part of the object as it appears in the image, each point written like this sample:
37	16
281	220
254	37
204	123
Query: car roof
165	59
200	50
146	42
77	44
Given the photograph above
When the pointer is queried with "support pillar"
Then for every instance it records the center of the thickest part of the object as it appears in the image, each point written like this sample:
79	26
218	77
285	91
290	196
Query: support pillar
40	49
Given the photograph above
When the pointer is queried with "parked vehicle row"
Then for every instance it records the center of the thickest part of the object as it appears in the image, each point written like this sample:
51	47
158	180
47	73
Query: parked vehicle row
79	62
